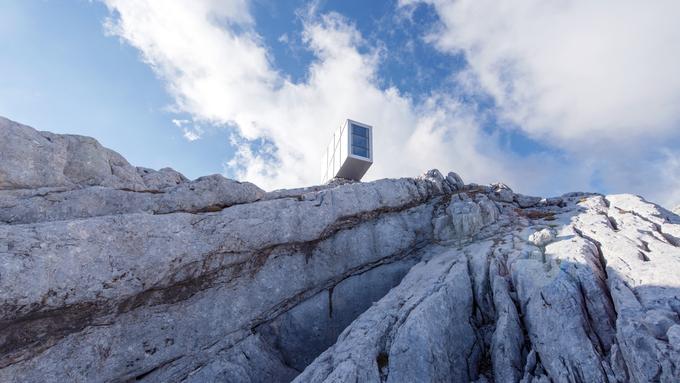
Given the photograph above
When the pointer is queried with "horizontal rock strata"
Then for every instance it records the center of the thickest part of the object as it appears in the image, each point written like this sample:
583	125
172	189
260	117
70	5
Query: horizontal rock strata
112	273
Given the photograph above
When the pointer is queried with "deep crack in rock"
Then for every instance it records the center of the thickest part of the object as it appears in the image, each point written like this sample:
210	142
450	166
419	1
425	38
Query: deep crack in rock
114	273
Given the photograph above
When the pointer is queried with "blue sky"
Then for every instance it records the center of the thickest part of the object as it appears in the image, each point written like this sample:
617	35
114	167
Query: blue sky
63	74
66	75
546	98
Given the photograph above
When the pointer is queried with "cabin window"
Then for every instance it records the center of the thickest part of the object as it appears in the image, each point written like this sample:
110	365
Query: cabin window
360	144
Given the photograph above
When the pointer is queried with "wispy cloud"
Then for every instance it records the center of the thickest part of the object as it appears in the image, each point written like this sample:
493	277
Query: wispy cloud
192	134
190	131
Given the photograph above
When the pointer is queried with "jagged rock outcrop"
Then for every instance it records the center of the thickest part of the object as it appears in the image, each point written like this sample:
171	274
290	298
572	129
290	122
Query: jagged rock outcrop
517	302
114	273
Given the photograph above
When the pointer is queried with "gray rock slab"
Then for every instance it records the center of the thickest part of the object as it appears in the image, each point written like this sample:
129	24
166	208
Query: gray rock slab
110	272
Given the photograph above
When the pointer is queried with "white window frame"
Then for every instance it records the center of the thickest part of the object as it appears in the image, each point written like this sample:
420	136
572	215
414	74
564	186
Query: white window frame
370	140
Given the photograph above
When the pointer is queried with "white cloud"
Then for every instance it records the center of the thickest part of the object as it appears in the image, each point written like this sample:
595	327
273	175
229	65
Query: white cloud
218	70
669	169
596	78
179	122
193	133
220	75
189	131
574	71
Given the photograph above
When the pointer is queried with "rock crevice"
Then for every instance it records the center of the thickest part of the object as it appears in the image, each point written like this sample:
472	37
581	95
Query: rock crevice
110	272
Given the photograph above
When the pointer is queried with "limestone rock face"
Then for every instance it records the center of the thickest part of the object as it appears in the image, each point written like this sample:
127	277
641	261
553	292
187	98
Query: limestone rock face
30	159
111	273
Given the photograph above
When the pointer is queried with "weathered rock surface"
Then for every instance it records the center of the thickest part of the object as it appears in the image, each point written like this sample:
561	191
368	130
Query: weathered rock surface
49	177
114	273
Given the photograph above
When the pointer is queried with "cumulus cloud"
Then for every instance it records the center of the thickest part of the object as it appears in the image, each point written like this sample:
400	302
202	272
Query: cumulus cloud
218	70
596	78
561	72
574	71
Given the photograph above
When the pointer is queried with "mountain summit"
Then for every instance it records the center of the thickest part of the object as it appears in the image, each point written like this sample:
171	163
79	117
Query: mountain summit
110	272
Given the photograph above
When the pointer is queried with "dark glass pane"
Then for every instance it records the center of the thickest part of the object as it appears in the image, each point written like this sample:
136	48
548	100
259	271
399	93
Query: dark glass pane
360	131
357	151
360	141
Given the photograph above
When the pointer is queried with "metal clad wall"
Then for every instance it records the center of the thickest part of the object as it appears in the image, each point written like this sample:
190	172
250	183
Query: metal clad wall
338	151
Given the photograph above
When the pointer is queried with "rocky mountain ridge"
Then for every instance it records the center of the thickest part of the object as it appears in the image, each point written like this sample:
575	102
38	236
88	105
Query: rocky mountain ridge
110	272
